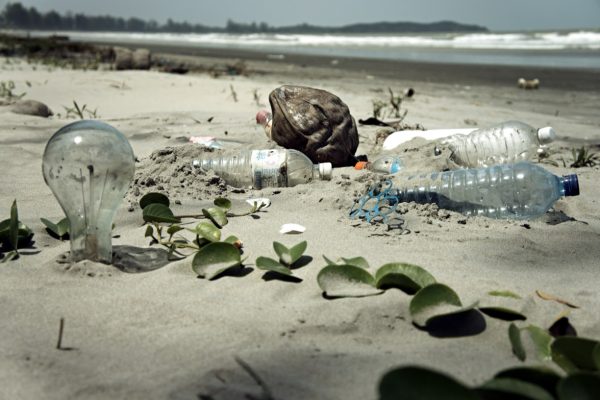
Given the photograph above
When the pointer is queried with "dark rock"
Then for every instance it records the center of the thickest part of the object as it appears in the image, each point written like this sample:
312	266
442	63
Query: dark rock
31	107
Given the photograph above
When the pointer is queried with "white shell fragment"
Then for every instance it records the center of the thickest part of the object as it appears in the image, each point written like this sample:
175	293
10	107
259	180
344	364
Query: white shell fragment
291	228
261	202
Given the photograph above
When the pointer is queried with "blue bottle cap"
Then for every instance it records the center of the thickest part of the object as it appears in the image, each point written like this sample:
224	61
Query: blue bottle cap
571	185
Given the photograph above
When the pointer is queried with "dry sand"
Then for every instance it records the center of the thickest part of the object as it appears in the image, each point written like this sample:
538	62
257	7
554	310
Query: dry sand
164	334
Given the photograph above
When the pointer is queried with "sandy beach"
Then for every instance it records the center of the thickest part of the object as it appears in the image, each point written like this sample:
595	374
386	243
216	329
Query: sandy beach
166	334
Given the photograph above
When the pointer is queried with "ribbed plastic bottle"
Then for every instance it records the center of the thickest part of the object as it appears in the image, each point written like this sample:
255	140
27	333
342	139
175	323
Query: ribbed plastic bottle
515	191
507	142
265	168
382	165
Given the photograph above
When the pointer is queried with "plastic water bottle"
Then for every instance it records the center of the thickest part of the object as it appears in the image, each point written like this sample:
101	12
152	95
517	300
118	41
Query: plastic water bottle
383	165
265	168
519	191
508	142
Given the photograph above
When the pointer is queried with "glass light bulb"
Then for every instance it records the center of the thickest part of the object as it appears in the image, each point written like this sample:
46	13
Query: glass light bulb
89	166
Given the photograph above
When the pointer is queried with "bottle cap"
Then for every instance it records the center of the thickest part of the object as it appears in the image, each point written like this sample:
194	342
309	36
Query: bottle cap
361	165
571	185
325	170
546	135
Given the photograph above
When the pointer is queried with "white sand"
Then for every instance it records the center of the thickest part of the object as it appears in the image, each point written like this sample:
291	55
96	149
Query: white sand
167	335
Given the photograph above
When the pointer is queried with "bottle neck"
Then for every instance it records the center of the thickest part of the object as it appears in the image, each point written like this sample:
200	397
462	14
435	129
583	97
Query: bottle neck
569	185
322	171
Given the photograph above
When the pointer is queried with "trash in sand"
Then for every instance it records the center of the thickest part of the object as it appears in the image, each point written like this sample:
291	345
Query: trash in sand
265	168
315	122
206	141
259	202
507	142
89	165
265	118
528	83
508	191
291	229
384	165
377	204
397	138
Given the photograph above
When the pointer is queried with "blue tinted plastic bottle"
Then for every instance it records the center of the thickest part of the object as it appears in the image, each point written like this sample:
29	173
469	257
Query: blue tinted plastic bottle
517	191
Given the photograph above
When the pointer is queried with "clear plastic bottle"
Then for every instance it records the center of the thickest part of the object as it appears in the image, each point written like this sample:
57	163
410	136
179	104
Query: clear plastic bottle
383	165
265	168
518	191
508	142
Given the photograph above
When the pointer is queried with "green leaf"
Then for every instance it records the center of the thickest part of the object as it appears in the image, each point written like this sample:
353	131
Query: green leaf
157	212
573	353
268	264
215	258
542	340
346	281
514	335
509	388
208	231
545	378
14	226
283	253
297	251
173	229
360	262
223	203
579	386
24	233
502	305
154	198
416	383
434	301
149	231
11	255
50	225
60	229
406	277
504	293
64	227
329	262
216	215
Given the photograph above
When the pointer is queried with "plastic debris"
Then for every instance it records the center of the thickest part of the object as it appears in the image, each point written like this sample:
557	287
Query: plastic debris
206	141
259	202
291	229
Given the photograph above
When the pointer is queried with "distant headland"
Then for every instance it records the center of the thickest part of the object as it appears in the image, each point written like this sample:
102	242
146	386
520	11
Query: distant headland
16	16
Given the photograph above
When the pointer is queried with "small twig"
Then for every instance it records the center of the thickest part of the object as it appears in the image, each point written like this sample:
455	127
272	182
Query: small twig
233	93
267	395
60	334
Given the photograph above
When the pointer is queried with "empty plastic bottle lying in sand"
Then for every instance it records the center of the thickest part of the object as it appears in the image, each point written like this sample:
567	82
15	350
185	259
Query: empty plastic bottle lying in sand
265	168
514	191
504	143
382	165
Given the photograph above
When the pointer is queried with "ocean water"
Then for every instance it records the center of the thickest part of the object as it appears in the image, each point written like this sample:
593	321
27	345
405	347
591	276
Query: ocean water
570	49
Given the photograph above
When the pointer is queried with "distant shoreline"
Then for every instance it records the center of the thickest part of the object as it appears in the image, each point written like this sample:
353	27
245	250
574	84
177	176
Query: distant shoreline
465	74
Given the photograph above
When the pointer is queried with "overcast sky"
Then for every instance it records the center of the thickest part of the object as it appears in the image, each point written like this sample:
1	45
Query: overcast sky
494	14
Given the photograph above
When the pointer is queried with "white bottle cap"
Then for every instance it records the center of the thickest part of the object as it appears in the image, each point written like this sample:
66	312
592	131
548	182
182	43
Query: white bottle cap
325	170
546	135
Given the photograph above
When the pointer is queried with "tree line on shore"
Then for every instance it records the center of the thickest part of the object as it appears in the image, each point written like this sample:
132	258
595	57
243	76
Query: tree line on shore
16	16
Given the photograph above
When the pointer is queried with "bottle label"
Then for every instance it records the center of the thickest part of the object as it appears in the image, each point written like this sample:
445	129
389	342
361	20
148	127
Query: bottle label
269	168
